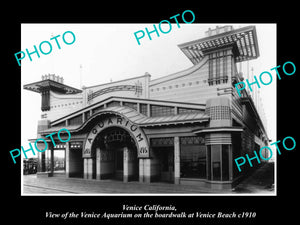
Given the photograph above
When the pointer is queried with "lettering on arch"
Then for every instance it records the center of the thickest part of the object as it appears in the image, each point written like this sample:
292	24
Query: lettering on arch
135	131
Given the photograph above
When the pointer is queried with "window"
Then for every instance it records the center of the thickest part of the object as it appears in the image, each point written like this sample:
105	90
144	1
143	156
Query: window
217	69
192	157
161	110
163	148
187	110
95	110
130	105
113	103
144	109
166	159
217	65
210	70
61	124
225	66
76	120
193	161
225	162
218	162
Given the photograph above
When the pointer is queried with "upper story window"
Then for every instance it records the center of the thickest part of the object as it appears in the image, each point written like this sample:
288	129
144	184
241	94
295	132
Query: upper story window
187	110
130	105
219	64
113	103
156	110
144	109
76	120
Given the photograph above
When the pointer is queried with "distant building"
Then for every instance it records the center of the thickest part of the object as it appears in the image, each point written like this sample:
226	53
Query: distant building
184	128
30	166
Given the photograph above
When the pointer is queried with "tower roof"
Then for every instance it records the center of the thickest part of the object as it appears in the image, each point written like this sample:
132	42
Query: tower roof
244	40
51	82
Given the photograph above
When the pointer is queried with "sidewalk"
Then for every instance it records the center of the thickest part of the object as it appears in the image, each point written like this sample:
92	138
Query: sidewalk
61	185
262	181
257	183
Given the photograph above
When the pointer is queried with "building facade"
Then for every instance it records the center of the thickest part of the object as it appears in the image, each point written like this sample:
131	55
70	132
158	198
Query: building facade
184	128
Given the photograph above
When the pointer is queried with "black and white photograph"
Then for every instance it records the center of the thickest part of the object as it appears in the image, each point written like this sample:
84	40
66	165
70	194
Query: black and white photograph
173	119
162	117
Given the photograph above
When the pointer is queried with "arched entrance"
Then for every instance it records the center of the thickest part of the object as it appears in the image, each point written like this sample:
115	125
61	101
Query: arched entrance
111	135
116	155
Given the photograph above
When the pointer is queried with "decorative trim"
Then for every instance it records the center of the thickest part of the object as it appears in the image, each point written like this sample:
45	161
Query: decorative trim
192	140
218	139
219	129
219	112
137	88
158	142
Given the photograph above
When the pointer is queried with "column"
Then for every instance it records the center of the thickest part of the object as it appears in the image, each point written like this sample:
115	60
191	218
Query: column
141	170
175	110
51	161
148	110
41	162
125	164
47	160
98	169
176	160
42	125
85	166
90	168
230	163
83	118
147	170
67	159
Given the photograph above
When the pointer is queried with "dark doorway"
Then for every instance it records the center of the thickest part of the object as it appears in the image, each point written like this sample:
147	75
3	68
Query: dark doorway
166	161
118	154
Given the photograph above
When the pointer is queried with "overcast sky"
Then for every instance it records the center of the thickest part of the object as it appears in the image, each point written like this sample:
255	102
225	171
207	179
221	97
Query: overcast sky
110	52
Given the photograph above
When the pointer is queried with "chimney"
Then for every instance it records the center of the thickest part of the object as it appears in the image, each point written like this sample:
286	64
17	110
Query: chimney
53	77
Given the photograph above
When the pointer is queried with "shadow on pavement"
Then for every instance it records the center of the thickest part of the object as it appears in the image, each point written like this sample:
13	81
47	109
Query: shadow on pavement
260	181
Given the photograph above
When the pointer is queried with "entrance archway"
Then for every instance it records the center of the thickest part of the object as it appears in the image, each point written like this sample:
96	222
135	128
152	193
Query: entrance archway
116	155
98	160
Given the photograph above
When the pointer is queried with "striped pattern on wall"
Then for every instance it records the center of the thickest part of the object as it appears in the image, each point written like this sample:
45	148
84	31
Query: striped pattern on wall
218	138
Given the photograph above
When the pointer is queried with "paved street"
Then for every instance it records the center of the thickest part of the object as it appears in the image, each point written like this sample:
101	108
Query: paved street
260	182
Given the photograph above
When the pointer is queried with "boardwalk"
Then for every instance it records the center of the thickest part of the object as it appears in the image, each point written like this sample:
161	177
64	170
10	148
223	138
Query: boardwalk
61	185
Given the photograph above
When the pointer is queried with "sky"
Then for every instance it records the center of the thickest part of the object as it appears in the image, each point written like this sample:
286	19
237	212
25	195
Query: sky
109	52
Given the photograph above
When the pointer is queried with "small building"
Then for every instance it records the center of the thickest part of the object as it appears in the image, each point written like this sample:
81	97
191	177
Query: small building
30	166
183	128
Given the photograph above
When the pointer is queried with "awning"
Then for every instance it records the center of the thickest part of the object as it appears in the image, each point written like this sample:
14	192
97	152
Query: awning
243	39
218	129
138	119
51	84
176	119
